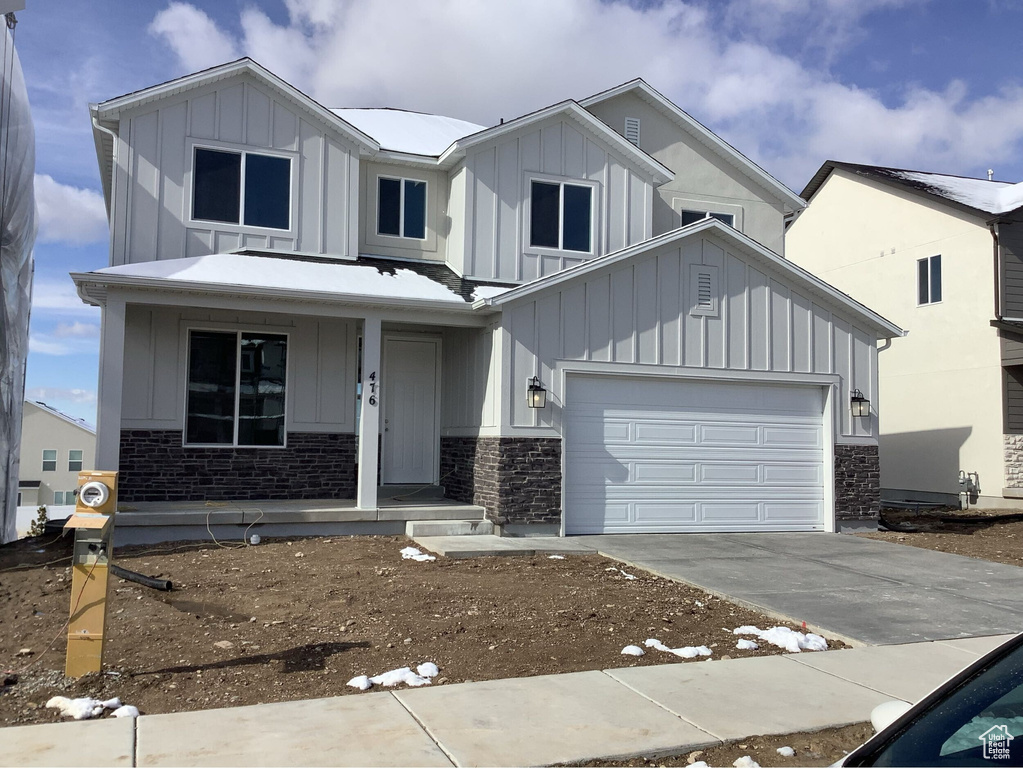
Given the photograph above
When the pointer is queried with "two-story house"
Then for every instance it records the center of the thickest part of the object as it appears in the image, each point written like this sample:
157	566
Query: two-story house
943	256
577	319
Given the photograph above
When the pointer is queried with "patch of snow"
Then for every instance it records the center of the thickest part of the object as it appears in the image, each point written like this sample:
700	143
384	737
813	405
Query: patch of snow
783	637
488	291
991	196
746	645
555	557
83	708
411	553
126	711
628	576
361	682
688	652
427	669
746	762
288	274
699	764
633	650
786	751
413	132
396	676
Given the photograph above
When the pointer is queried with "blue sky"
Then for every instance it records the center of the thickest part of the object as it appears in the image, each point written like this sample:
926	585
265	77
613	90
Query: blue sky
931	85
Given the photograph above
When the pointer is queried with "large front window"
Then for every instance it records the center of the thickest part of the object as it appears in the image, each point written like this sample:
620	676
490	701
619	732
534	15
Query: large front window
236	388
561	216
241	188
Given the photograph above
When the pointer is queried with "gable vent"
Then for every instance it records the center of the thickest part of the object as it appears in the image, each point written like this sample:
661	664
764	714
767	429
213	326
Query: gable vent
632	130
703	290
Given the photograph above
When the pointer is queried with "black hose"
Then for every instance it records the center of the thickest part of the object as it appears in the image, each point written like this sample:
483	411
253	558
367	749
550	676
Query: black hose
164	585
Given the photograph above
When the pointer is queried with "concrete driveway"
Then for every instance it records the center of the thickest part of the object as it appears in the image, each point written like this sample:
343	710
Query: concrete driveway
868	591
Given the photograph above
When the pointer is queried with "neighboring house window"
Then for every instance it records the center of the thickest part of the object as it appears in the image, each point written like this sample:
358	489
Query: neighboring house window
241	188
63	497
49	460
691	217
236	388
561	216
928	276
74	461
401	208
19	498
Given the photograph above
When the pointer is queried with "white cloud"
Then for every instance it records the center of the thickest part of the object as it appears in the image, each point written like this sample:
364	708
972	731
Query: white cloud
69	214
59	297
40	345
76	330
480	60
56	394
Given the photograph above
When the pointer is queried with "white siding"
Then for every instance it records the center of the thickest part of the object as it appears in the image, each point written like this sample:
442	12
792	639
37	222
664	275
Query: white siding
322	365
638	313
154	175
468	381
497	185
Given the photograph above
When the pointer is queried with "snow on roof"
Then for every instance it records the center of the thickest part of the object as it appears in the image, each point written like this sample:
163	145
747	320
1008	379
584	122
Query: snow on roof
392	279
992	196
416	133
77	422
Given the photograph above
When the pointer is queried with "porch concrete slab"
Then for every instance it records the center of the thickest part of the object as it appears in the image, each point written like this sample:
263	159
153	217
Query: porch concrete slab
977	646
907	672
85	743
766	695
491	545
548	719
372	729
862	590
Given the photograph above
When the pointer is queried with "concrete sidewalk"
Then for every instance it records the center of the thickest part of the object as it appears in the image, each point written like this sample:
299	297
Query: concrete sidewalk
595	715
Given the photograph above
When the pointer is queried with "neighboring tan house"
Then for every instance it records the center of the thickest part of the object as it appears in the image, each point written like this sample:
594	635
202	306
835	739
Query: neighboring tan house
943	257
273	261
55	447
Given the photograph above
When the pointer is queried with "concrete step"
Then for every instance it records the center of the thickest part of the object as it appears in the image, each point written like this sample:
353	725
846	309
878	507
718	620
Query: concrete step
411	492
418	528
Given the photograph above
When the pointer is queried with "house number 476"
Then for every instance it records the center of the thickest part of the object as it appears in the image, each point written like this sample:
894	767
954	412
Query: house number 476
373	388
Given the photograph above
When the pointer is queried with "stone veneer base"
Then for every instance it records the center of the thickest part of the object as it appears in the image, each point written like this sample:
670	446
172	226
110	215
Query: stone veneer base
1013	453
857	483
155	466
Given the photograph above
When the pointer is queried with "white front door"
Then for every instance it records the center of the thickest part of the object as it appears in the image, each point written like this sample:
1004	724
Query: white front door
409	391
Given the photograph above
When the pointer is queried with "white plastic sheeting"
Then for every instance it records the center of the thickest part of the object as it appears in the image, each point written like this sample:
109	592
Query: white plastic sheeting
17	235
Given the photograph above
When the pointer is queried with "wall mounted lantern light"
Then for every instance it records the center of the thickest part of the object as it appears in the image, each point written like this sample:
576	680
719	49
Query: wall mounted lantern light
536	395
859	404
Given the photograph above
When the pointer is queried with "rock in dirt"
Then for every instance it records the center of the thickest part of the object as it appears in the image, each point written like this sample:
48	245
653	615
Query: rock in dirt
24	652
225	644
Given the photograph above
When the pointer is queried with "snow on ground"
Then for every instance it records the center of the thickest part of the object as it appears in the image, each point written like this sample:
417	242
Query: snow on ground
633	650
628	576
555	557
786	751
126	711
746	762
411	553
746	645
85	707
422	676
688	652
783	637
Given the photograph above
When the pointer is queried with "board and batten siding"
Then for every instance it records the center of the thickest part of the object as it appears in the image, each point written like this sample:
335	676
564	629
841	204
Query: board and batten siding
1010	242
497	177
153	194
322	366
638	312
469	381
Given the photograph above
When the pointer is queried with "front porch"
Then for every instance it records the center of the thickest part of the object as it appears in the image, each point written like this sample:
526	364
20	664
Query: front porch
236	521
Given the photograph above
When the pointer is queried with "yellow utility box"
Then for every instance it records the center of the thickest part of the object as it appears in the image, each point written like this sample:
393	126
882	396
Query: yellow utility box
93	524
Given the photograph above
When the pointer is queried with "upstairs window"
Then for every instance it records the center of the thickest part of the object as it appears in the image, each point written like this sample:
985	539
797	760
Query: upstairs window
691	217
74	460
928	280
241	188
49	460
401	208
561	216
236	388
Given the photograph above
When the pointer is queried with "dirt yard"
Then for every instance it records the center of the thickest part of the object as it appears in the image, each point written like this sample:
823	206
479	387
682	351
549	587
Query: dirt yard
817	748
976	536
297	619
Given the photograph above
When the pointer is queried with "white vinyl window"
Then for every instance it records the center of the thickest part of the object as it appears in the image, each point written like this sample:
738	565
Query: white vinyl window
691	217
75	459
49	460
401	207
928	280
235	187
561	216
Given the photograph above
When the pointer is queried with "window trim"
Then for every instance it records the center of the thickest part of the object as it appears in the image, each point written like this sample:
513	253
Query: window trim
240	226
81	461
401	208
561	181
928	260
55	459
693	205
237	388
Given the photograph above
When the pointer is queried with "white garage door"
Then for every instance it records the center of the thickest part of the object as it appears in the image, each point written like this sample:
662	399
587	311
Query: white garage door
665	456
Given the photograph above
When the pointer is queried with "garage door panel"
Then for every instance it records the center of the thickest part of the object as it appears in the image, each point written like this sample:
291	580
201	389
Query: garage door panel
692	456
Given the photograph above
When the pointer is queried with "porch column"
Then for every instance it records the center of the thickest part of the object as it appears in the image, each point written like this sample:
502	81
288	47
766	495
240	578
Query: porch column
111	378
369	422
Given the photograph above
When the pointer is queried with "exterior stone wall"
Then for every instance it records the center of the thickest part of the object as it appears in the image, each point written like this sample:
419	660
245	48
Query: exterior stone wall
155	466
1013	446
857	482
517	479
